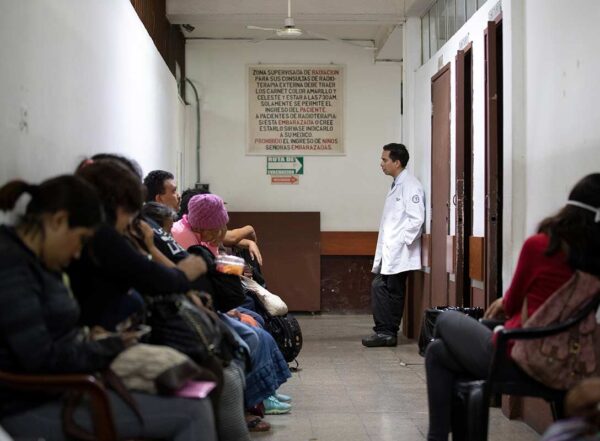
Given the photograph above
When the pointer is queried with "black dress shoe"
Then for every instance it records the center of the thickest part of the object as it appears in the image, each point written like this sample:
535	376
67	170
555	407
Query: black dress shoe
379	340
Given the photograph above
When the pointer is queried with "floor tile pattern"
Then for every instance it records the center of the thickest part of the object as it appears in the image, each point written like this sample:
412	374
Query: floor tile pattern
345	392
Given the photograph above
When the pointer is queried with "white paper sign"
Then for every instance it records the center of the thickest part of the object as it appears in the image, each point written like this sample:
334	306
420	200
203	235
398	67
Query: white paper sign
295	109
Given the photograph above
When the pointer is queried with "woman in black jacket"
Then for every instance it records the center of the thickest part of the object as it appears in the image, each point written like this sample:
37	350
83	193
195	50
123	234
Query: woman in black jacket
38	324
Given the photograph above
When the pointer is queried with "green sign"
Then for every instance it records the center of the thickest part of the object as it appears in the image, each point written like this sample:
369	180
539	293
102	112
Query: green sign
285	165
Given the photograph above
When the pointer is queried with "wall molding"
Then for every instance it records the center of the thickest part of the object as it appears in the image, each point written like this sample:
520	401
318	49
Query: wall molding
348	243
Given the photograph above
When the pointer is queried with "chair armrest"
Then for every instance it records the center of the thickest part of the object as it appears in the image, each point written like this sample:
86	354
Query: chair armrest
500	357
504	335
86	383
56	382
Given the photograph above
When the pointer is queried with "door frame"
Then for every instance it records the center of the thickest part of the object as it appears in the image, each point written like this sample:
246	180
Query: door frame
493	159
440	247
463	196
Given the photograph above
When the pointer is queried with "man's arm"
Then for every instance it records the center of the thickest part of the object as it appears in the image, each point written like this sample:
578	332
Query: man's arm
233	237
251	246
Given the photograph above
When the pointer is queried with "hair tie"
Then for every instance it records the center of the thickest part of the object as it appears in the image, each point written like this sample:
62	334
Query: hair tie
586	207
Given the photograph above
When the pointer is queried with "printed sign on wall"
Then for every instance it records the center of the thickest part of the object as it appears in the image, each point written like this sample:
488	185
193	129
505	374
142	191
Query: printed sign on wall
295	109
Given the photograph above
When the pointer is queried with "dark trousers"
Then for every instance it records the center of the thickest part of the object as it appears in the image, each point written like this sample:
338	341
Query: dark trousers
387	302
462	348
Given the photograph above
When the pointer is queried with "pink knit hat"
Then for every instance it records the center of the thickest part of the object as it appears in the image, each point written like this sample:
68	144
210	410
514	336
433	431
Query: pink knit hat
207	212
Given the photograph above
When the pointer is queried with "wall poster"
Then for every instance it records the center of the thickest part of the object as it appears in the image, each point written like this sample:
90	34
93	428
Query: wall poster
295	109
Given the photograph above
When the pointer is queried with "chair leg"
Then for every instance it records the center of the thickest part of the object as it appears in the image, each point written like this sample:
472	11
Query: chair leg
470	412
477	414
459	417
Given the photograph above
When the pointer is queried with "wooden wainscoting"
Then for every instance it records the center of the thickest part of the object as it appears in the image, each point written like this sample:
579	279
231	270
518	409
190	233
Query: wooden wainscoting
348	243
346	263
289	243
426	250
477	258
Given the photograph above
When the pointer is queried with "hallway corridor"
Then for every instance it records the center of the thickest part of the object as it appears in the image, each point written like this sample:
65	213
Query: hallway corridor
346	392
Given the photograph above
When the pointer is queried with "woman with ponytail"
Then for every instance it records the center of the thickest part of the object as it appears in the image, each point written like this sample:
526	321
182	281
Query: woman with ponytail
38	324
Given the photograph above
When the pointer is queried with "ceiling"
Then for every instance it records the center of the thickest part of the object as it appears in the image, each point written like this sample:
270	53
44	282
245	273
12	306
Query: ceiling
371	23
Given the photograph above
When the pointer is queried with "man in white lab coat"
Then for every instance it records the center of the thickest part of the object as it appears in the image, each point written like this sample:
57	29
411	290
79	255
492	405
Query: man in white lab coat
398	246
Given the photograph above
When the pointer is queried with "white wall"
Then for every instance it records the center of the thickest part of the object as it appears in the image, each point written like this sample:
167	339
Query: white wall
551	130
89	79
347	190
562	99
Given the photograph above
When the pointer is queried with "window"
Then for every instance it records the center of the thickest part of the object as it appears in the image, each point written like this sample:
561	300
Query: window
425	38
441	22
461	13
433	32
471	8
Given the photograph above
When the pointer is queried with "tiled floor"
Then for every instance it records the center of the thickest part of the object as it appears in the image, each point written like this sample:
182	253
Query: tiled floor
346	392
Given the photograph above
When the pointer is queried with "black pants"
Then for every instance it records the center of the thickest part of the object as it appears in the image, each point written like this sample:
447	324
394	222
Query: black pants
462	348
387	302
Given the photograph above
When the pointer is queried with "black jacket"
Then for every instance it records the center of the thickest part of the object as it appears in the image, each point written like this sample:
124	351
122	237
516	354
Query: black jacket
38	324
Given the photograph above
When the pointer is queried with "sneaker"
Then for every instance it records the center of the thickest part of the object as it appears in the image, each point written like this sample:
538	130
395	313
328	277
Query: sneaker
282	398
379	340
275	407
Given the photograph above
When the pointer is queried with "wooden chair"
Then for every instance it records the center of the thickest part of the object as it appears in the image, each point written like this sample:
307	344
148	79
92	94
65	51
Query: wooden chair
104	429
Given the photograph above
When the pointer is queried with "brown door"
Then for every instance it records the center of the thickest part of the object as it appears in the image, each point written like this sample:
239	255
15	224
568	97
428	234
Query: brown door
290	244
440	183
464	173
493	161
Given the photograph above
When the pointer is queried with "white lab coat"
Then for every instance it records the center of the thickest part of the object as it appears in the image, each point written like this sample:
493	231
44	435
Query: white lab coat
399	240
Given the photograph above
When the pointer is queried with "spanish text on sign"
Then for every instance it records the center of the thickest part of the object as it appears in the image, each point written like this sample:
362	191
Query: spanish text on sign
285	165
295	109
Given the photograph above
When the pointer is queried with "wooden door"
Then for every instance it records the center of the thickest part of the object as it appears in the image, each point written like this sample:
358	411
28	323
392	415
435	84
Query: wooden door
291	249
493	161
464	173
440	183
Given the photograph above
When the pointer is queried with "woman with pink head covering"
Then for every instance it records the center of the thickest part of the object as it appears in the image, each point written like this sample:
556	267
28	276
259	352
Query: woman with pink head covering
205	224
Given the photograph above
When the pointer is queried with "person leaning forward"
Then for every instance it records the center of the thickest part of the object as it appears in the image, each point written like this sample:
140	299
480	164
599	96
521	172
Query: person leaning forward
398	246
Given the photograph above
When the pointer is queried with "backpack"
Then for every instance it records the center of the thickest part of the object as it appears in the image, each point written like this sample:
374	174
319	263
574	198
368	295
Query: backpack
561	360
286	331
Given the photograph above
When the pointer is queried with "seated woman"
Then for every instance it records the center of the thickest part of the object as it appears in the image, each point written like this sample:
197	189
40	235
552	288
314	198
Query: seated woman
244	237
565	242
206	225
111	265
38	324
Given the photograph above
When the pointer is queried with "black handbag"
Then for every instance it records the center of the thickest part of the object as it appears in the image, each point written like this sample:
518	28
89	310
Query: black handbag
225	289
199	333
430	316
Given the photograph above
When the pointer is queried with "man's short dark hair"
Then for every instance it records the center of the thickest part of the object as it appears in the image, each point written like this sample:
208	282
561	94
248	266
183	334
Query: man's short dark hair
155	183
398	152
